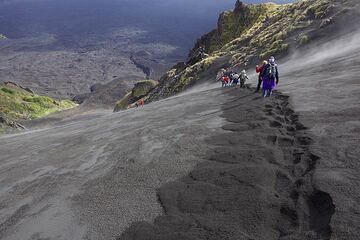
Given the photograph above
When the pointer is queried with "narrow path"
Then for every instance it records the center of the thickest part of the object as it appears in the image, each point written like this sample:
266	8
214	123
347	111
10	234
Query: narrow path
255	184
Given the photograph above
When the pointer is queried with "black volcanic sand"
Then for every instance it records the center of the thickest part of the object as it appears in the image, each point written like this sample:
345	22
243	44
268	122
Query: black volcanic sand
257	182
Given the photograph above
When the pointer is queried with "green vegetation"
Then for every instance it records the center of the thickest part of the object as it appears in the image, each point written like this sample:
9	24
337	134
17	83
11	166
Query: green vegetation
303	39
123	103
243	21
141	89
275	48
319	9
7	90
17	103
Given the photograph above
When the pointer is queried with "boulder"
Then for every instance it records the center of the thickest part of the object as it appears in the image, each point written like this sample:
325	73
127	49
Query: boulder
140	90
5	122
143	87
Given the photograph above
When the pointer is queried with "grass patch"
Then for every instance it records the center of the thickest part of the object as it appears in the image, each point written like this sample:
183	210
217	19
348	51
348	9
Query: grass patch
16	103
7	90
141	88
303	39
123	103
275	48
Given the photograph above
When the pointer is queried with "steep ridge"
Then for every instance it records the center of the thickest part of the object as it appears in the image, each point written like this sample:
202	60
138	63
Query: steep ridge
251	33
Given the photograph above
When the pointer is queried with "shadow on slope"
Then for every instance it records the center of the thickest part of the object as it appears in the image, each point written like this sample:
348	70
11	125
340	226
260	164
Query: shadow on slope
257	181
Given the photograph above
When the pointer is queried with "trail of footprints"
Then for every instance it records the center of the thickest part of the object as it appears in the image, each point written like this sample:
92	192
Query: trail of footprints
257	183
308	211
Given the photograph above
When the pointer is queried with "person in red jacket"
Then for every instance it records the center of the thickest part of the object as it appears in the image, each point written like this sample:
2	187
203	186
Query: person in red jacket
259	70
141	103
225	80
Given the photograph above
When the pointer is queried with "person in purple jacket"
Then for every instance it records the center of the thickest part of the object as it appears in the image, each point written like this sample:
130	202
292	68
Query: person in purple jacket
270	77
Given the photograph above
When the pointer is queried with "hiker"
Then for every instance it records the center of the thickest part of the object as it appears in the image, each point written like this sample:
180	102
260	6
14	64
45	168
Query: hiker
266	21
259	70
201	52
270	77
220	74
140	103
225	80
235	79
243	78
231	78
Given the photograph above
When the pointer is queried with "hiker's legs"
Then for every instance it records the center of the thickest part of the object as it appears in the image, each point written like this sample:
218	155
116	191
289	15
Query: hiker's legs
272	86
259	84
264	92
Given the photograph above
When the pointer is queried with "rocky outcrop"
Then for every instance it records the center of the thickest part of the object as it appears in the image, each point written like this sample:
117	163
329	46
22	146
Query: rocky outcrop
232	24
5	123
141	89
105	95
12	84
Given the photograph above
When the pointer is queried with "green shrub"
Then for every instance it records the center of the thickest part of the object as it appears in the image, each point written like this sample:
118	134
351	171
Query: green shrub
19	104
143	87
303	39
123	103
280	36
276	48
7	90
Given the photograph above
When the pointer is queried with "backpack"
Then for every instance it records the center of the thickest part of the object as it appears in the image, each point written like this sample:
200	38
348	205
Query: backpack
243	77
271	71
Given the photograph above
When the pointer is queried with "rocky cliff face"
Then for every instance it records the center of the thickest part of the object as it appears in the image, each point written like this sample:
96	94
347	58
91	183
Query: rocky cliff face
251	33
141	89
232	24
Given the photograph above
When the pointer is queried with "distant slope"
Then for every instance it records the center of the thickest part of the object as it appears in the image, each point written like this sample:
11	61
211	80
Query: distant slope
62	48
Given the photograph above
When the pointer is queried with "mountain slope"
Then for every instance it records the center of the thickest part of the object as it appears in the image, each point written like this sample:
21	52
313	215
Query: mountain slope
251	33
209	163
319	70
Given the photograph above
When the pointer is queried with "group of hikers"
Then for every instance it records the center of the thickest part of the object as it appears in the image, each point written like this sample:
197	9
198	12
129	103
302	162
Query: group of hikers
268	77
232	79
